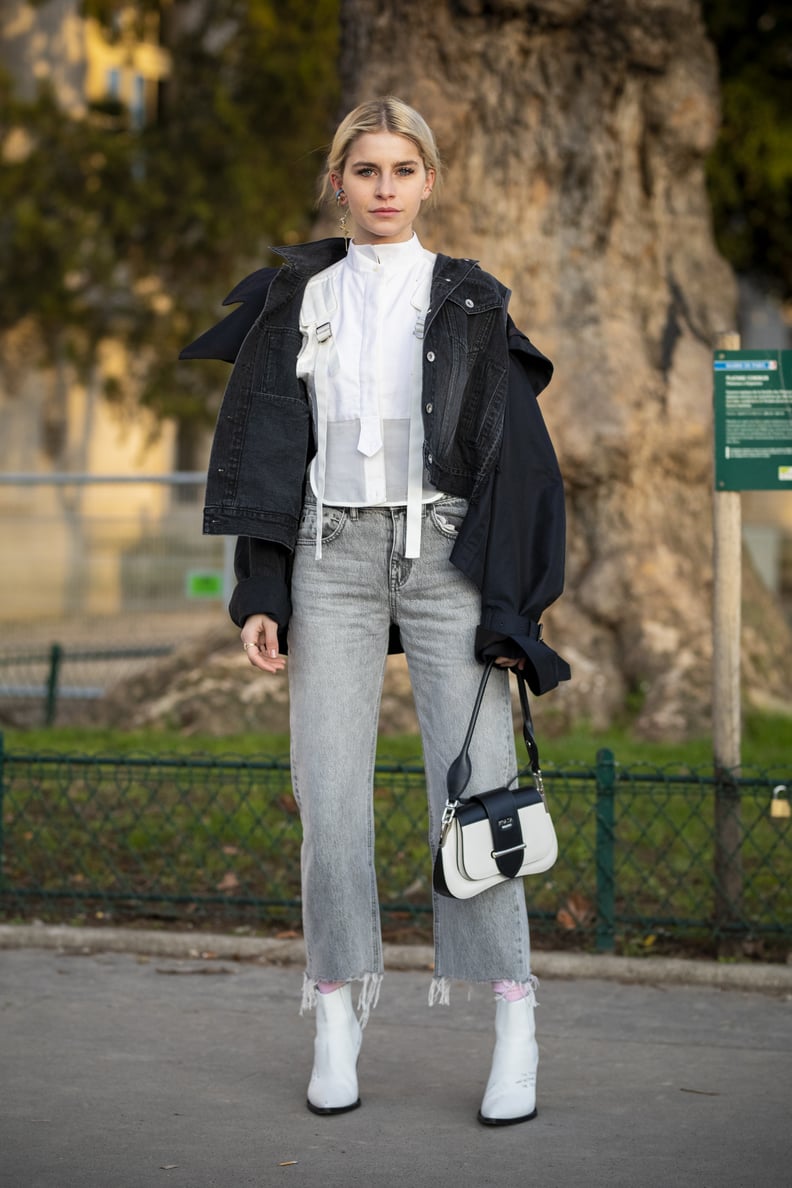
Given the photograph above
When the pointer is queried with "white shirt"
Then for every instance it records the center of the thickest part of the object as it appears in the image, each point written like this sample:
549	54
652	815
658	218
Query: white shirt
362	322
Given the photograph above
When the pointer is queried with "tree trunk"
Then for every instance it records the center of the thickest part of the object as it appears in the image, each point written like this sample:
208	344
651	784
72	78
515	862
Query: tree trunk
574	136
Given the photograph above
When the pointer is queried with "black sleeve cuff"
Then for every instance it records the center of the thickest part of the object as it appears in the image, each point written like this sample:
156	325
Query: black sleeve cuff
544	669
263	571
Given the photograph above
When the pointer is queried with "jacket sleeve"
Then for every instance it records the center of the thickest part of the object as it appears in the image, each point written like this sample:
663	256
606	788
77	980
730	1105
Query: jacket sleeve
263	571
516	529
262	568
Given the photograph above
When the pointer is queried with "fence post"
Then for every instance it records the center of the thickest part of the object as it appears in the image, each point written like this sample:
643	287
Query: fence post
51	696
726	724
606	879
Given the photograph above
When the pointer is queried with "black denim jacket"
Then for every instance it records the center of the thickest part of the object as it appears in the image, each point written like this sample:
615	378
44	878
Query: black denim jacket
484	439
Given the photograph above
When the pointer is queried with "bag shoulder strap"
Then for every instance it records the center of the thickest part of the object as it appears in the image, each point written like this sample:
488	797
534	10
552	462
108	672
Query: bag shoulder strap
460	771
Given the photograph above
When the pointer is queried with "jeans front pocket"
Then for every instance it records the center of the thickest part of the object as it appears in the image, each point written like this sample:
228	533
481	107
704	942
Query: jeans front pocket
333	521
447	514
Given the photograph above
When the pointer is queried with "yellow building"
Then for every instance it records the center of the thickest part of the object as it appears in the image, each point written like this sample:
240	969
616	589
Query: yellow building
83	62
83	548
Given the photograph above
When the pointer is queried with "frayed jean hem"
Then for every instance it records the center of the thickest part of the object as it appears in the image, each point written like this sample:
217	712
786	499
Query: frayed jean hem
440	990
370	986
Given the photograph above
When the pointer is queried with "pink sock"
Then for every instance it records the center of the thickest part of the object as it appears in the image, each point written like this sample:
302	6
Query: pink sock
329	987
511	991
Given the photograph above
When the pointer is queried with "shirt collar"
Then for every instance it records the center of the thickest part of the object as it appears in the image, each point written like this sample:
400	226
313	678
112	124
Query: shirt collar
385	257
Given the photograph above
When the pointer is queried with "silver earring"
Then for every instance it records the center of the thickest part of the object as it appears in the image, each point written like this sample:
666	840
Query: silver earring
343	220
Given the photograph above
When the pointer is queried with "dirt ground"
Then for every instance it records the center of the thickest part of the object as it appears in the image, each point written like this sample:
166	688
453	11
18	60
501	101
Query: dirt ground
203	686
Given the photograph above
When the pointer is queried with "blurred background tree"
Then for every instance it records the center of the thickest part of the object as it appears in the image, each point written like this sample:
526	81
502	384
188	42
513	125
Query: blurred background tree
750	169
137	232
577	131
107	229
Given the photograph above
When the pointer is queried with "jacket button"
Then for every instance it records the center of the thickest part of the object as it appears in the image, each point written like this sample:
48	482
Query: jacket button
430	355
429	407
221	470
429	458
469	303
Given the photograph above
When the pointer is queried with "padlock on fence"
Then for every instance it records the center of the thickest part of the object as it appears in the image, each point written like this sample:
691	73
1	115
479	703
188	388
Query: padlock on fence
780	808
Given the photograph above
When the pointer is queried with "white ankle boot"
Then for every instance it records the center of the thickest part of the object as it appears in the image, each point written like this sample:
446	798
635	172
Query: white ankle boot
333	1088
510	1095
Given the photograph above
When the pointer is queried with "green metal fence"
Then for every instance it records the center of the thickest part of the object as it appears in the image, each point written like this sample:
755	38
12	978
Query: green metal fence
35	685
216	842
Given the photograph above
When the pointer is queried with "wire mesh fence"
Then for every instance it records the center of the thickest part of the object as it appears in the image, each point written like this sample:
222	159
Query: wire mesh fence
216	841
47	685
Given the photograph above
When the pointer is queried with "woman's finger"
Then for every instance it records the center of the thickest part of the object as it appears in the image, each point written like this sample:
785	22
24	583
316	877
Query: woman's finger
260	643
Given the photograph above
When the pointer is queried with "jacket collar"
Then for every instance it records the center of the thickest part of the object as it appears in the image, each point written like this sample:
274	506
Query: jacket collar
308	258
304	260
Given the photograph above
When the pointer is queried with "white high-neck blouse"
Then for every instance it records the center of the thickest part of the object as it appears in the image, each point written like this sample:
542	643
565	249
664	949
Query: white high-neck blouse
362	322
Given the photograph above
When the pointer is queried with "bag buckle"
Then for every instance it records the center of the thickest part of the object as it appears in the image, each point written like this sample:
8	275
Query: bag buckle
447	819
538	784
511	850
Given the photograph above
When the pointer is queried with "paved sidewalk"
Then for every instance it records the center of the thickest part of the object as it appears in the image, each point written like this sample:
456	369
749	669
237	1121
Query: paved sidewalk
124	1071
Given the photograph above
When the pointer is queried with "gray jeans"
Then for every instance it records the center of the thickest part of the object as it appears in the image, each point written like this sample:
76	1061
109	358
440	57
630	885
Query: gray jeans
343	606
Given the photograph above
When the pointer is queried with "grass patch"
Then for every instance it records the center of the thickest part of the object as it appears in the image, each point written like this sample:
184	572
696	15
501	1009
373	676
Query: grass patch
766	743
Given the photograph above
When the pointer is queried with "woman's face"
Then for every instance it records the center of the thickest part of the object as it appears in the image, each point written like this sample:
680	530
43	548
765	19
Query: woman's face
385	182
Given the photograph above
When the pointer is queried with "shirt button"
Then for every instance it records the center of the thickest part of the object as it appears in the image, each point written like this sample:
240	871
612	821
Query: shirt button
429	407
430	356
469	303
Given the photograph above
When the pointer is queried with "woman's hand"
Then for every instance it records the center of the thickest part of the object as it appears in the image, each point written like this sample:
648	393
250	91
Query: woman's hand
260	641
507	662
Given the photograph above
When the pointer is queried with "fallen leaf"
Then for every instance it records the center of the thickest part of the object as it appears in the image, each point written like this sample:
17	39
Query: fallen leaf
576	912
229	882
168	1166
288	934
288	1163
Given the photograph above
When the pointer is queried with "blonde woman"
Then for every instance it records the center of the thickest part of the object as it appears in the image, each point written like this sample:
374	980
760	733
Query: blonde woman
382	459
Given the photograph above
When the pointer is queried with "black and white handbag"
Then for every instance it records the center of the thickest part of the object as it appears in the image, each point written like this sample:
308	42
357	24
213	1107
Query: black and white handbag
500	834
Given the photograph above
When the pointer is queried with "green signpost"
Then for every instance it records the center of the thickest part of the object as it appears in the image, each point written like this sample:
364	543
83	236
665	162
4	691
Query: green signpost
753	420
753	452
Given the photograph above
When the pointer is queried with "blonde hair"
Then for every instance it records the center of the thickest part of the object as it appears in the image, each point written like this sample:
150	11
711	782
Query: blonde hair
386	114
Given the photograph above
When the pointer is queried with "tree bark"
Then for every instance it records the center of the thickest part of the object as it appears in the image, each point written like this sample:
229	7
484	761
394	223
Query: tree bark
574	137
